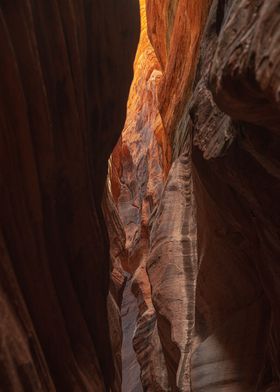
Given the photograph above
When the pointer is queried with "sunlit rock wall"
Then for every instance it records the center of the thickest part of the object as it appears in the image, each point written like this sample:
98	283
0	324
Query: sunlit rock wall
223	332
139	167
211	247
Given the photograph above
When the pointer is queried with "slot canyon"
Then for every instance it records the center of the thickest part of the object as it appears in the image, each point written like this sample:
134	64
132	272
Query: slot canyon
140	196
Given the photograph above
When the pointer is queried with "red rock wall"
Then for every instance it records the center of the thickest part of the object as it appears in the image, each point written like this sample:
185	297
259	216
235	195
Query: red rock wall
236	186
65	72
174	28
139	166
209	240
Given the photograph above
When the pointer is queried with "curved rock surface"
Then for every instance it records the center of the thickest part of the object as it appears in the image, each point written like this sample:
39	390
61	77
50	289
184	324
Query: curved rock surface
191	202
139	167
211	241
236	189
65	72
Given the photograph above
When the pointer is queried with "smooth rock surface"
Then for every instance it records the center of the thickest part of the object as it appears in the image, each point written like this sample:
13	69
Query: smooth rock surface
65	73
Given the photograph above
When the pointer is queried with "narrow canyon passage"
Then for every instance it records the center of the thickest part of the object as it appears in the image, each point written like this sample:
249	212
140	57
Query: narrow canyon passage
139	196
194	179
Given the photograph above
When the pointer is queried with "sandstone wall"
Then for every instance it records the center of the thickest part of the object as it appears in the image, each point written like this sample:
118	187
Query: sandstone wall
65	72
209	240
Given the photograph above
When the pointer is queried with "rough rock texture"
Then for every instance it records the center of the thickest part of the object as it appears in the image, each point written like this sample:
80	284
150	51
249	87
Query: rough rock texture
140	161
140	164
237	190
118	255
139	167
211	241
174	27
172	270
130	366
65	72
235	183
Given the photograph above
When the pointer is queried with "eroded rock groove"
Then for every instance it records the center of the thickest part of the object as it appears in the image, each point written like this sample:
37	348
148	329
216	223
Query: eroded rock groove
195	181
139	196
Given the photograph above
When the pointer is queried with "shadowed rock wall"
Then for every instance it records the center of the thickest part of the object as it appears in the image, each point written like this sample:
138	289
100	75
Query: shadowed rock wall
65	72
234	116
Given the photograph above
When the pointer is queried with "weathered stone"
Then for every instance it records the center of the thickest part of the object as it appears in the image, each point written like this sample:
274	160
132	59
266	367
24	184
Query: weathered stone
212	240
191	204
65	72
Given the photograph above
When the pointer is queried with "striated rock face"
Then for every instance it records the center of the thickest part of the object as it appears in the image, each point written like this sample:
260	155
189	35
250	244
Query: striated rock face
174	28
204	255
237	188
139	167
118	256
65	72
130	366
186	296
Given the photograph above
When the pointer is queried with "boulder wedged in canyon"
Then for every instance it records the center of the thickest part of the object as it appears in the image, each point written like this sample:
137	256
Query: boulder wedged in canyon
66	68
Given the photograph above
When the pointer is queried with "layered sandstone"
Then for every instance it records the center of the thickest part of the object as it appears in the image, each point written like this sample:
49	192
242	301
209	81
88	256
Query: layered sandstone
65	72
235	120
139	167
209	240
191	203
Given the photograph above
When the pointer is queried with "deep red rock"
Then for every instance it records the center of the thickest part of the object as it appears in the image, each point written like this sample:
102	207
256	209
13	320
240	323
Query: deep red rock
65	72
